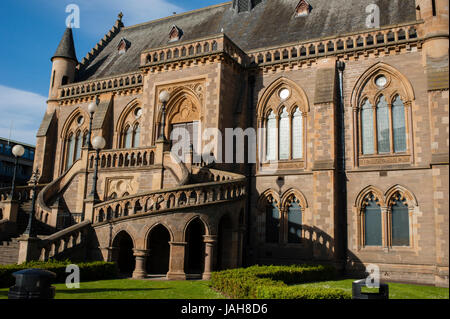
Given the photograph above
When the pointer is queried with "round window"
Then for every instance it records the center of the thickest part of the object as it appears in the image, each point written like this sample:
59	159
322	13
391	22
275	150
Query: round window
284	94
381	81
138	112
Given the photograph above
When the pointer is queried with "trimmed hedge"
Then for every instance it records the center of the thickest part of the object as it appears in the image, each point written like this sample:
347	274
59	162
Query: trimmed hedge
89	271
271	282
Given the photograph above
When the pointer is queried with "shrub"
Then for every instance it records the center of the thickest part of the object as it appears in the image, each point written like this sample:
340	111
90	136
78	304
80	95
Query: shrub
89	271
263	282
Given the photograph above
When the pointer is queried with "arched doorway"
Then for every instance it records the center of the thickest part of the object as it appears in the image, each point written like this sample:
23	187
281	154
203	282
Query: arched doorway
195	249
158	244
124	255
224	243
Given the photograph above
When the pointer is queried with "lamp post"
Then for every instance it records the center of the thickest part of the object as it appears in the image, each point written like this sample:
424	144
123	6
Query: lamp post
164	97
98	144
17	151
29	230
92	108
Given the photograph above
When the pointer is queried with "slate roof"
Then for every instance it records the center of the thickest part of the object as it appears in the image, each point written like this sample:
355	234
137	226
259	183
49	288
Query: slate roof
270	23
66	48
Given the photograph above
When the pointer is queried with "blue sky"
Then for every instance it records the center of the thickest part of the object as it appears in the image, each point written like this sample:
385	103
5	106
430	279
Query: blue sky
31	30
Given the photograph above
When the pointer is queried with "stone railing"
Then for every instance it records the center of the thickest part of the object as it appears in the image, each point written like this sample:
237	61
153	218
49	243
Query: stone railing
124	158
22	193
64	240
124	81
219	43
171	199
379	38
43	211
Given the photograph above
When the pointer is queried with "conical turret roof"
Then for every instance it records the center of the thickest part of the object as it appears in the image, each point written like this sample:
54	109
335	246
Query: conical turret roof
66	48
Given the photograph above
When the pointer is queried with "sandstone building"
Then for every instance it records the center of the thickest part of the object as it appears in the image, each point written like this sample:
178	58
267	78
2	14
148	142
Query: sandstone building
356	125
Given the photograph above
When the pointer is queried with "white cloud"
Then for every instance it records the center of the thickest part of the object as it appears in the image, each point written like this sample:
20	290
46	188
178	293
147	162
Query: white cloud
24	110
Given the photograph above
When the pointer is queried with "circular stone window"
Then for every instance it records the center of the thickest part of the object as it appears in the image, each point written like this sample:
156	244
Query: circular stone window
80	120
284	94
138	112
381	81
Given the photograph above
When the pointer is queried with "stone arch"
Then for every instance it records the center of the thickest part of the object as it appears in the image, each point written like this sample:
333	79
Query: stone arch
184	106
150	228
194	234
225	228
270	98
405	89
205	224
409	196
66	129
294	192
126	119
157	242
265	196
123	255
378	194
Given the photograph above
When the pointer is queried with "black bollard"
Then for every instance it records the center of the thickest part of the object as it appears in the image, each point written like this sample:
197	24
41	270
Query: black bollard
32	284
383	291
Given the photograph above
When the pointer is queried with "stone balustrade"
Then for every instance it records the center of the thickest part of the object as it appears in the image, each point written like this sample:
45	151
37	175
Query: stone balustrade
171	199
64	240
212	45
124	158
22	193
339	45
124	81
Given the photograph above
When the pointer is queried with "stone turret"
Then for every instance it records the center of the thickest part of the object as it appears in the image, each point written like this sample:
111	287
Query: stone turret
64	64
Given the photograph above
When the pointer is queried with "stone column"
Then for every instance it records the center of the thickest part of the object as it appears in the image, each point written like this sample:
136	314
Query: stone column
28	249
140	271
176	262
210	242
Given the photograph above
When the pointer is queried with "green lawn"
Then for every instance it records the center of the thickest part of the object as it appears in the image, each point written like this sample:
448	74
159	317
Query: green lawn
146	289
134	289
396	291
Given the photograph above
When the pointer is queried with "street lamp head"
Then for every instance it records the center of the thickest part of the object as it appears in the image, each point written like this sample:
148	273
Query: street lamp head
92	108
164	97
18	151
98	143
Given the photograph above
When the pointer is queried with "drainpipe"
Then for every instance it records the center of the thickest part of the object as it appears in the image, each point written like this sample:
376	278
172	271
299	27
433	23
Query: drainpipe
342	177
249	173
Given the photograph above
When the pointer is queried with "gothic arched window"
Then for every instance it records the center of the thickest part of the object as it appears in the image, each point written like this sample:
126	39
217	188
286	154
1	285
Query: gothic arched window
70	151
383	126
367	128
136	135
372	222
399	221
382	101
272	223
399	125
128	134
284	135
271	136
297	134
294	222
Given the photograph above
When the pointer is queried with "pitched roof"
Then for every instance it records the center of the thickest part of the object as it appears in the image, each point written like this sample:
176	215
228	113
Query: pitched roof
271	23
66	48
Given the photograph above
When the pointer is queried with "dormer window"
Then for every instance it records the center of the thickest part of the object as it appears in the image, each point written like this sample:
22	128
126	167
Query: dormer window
123	46
175	34
303	9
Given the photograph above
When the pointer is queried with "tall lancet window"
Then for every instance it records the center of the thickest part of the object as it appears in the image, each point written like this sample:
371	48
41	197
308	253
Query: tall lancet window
70	151
284	137
398	119
297	134
128	137
271	137
383	124
367	128
136	135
